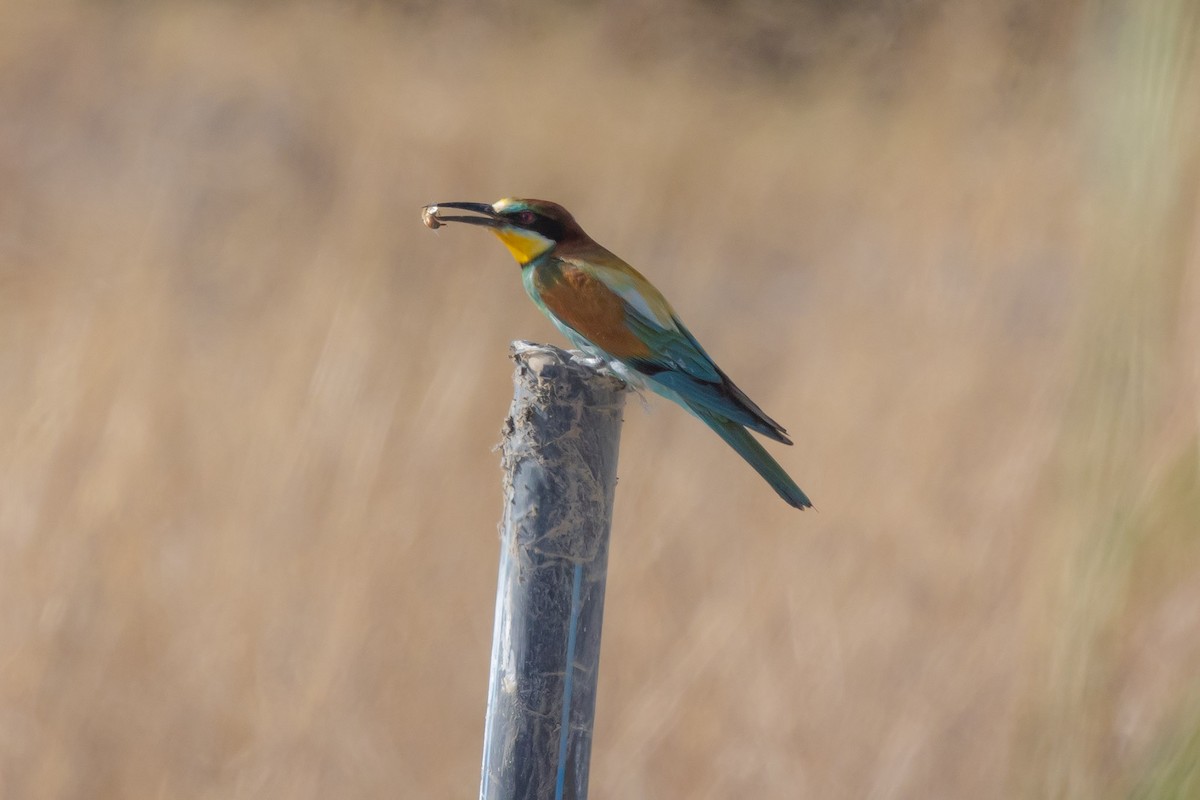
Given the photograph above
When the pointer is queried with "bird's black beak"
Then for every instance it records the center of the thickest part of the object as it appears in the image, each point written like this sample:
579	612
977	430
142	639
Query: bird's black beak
434	218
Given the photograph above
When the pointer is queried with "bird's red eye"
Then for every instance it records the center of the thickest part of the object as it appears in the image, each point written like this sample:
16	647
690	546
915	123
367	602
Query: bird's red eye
526	217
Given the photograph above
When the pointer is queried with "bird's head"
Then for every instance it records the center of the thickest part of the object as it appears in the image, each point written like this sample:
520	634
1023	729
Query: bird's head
529	228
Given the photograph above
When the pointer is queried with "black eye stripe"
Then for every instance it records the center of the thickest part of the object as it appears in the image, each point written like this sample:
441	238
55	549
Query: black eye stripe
550	228
524	217
538	223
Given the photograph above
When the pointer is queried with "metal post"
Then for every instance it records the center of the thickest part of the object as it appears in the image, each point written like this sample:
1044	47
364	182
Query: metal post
560	459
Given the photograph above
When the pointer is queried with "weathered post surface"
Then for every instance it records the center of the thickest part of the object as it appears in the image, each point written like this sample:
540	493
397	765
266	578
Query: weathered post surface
560	459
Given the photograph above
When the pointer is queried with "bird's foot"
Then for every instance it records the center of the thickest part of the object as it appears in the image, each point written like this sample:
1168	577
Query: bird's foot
595	363
602	366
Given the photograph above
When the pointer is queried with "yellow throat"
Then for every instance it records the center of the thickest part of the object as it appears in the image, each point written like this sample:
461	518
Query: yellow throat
524	245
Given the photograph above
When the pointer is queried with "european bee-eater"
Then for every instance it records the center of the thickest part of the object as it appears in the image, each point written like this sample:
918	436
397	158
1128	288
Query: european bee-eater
607	309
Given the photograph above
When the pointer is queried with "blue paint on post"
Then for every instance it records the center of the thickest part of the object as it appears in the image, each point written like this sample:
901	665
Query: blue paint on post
568	680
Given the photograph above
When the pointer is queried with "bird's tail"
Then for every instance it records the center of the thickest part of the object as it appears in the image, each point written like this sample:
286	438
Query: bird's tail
755	454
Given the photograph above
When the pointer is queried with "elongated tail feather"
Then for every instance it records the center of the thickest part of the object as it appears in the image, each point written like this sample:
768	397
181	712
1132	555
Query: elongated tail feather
723	401
755	454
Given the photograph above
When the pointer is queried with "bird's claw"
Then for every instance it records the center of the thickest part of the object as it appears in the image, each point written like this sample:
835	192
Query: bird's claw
601	366
595	363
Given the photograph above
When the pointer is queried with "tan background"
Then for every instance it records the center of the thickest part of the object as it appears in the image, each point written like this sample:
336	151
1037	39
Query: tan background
248	494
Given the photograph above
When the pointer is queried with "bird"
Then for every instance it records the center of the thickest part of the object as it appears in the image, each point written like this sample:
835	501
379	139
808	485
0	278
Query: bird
610	311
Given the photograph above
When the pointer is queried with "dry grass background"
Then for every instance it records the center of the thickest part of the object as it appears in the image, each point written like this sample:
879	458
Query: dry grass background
248	404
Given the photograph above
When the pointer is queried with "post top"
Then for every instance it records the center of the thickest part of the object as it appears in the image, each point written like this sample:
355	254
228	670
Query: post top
540	358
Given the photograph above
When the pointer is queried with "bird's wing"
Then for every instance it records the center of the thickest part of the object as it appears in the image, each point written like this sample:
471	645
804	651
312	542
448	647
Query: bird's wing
641	310
670	355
